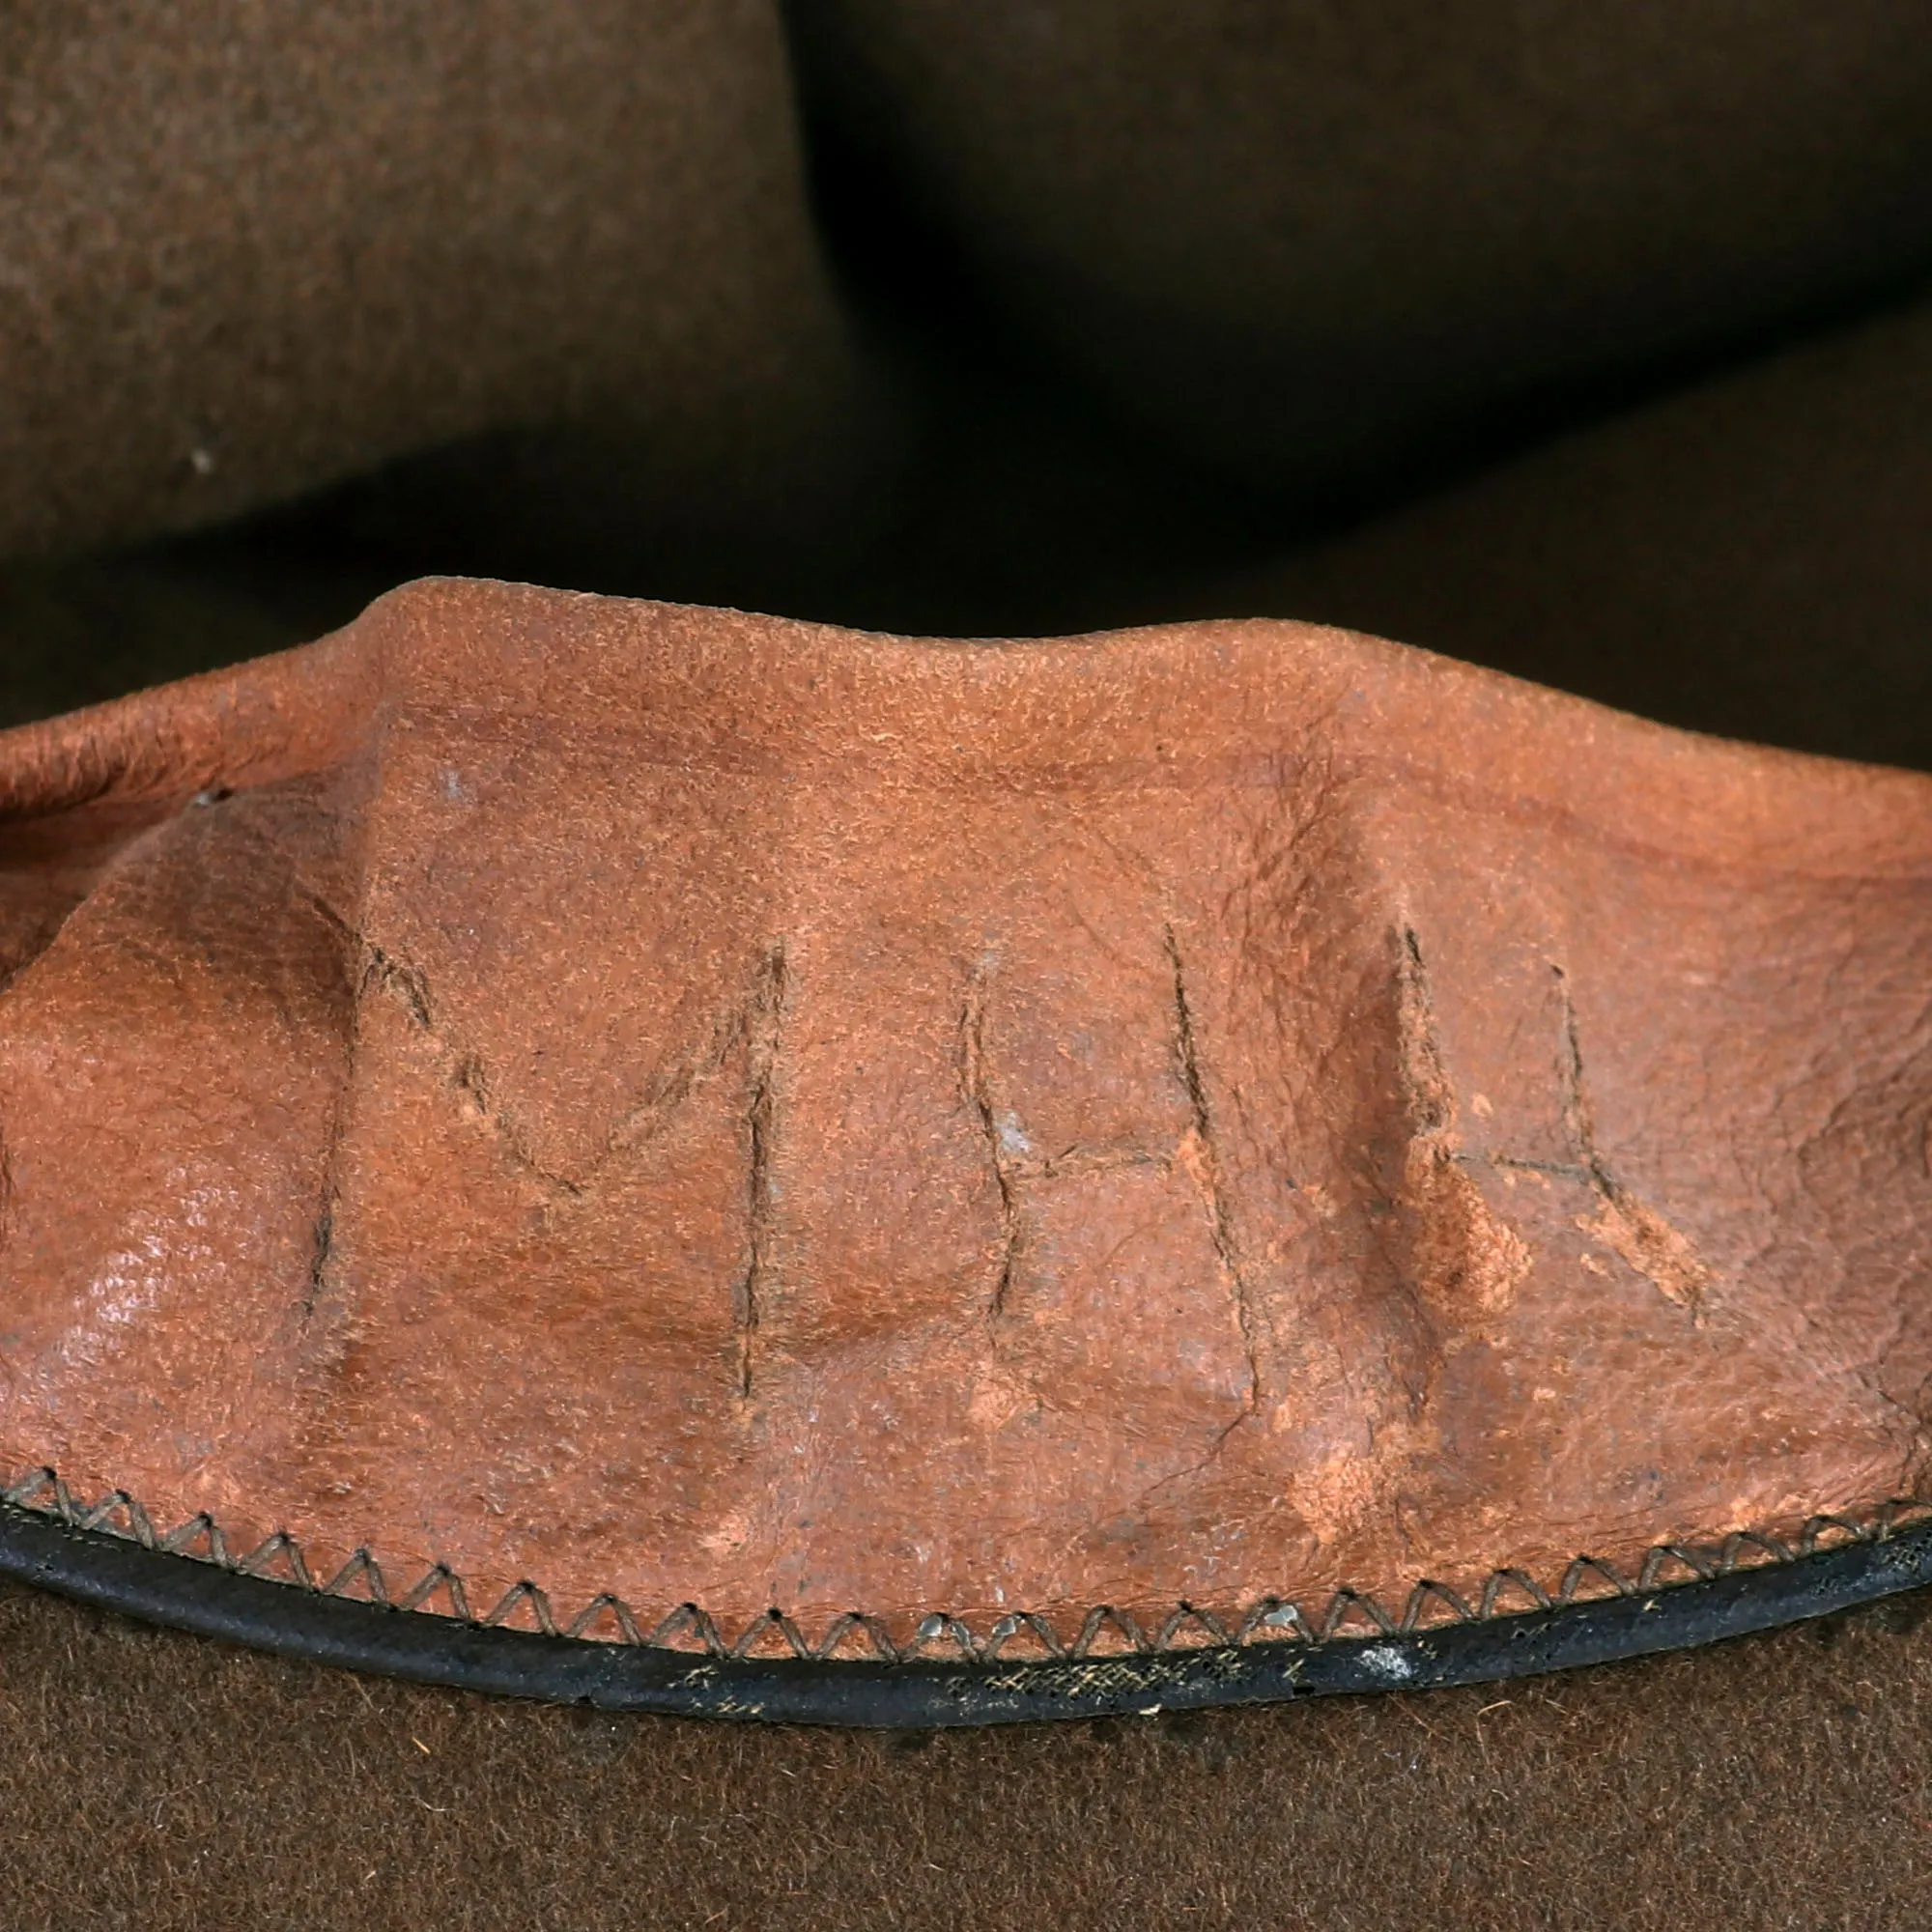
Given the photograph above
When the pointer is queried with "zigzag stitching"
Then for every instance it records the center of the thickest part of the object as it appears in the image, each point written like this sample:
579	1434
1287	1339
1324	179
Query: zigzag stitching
688	1628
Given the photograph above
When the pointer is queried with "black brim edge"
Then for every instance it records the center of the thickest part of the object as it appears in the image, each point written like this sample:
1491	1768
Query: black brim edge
188	1594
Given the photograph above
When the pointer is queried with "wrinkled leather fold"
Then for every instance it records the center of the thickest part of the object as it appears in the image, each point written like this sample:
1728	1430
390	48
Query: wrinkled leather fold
712	1109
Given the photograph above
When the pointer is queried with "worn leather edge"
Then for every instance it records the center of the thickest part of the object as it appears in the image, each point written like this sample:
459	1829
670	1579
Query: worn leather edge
117	1572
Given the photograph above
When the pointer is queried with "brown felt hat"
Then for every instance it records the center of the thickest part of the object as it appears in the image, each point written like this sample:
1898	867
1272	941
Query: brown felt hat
1029	1089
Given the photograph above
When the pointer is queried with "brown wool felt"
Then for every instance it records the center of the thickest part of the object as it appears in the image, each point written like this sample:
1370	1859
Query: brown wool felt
1297	238
246	250
169	1783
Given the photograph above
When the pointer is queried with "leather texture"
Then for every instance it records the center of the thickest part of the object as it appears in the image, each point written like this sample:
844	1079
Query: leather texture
717	1109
